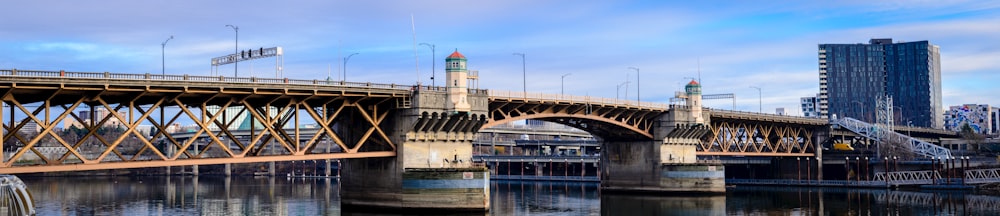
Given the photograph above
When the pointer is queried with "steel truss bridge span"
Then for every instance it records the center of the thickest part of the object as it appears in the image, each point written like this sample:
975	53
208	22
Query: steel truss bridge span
352	116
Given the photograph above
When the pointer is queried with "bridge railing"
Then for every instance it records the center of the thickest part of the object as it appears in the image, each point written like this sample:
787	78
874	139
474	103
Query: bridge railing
190	78
884	135
979	176
786	118
907	177
576	99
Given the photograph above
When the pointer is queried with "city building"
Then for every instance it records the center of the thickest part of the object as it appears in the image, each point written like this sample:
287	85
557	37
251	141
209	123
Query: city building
31	127
810	106
853	76
981	118
242	119
780	111
99	115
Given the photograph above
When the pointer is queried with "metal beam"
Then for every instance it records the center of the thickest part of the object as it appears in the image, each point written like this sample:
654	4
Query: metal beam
188	162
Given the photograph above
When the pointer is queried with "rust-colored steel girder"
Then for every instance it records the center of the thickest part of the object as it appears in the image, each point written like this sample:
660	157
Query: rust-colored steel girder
606	120
750	136
105	118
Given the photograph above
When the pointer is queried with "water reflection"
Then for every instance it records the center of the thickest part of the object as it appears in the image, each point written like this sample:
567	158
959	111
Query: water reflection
845	201
183	196
629	204
544	198
296	196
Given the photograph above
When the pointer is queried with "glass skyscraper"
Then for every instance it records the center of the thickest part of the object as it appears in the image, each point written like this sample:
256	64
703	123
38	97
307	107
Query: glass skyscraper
852	76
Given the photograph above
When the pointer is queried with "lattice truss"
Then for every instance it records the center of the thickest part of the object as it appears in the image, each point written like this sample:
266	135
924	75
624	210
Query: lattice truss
604	121
108	130
755	138
907	177
939	200
976	176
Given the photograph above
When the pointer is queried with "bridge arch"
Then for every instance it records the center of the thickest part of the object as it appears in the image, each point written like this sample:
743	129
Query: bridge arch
609	121
598	126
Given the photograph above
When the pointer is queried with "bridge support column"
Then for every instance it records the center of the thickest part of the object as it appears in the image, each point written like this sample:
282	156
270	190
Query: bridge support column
270	169
636	167
433	167
666	164
327	171
228	170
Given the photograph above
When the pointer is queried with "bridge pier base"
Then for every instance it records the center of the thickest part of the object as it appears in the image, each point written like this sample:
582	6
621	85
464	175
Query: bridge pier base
432	170
665	164
634	167
387	183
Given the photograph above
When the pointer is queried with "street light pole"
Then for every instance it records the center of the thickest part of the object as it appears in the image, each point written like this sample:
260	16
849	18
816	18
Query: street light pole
236	61
760	100
524	75
862	114
163	65
163	58
562	84
345	65
909	124
433	60
619	89
636	83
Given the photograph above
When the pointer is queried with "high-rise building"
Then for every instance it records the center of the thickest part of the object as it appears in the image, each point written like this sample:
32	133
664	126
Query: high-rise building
853	76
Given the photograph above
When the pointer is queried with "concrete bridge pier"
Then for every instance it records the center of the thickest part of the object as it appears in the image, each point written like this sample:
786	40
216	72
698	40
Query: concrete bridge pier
433	167
667	163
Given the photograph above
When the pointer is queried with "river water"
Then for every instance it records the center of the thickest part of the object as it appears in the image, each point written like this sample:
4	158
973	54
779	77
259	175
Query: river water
318	196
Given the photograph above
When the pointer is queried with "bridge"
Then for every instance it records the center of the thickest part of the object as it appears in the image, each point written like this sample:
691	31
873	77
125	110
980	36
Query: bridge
407	146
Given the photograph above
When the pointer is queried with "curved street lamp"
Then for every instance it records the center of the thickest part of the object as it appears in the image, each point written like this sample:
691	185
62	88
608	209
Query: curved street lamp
619	89
433	61
163	58
562	83
524	75
636	83
345	64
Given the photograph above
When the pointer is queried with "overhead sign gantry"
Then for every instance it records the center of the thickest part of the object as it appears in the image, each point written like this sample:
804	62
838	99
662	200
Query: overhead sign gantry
251	54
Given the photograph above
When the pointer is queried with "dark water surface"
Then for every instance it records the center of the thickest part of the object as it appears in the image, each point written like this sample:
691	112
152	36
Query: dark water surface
318	196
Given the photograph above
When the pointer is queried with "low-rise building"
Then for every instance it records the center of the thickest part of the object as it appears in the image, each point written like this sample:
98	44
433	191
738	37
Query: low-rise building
981	118
810	107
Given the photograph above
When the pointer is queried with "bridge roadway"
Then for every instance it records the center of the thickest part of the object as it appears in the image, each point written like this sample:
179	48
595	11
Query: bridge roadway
132	98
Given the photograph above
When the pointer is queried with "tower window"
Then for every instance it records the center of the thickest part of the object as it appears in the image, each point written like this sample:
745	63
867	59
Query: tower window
456	83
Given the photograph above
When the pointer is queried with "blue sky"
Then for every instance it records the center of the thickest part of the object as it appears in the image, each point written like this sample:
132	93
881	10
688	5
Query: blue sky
771	44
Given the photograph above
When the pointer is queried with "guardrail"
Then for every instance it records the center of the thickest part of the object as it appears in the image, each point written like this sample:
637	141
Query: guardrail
578	99
189	78
817	121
